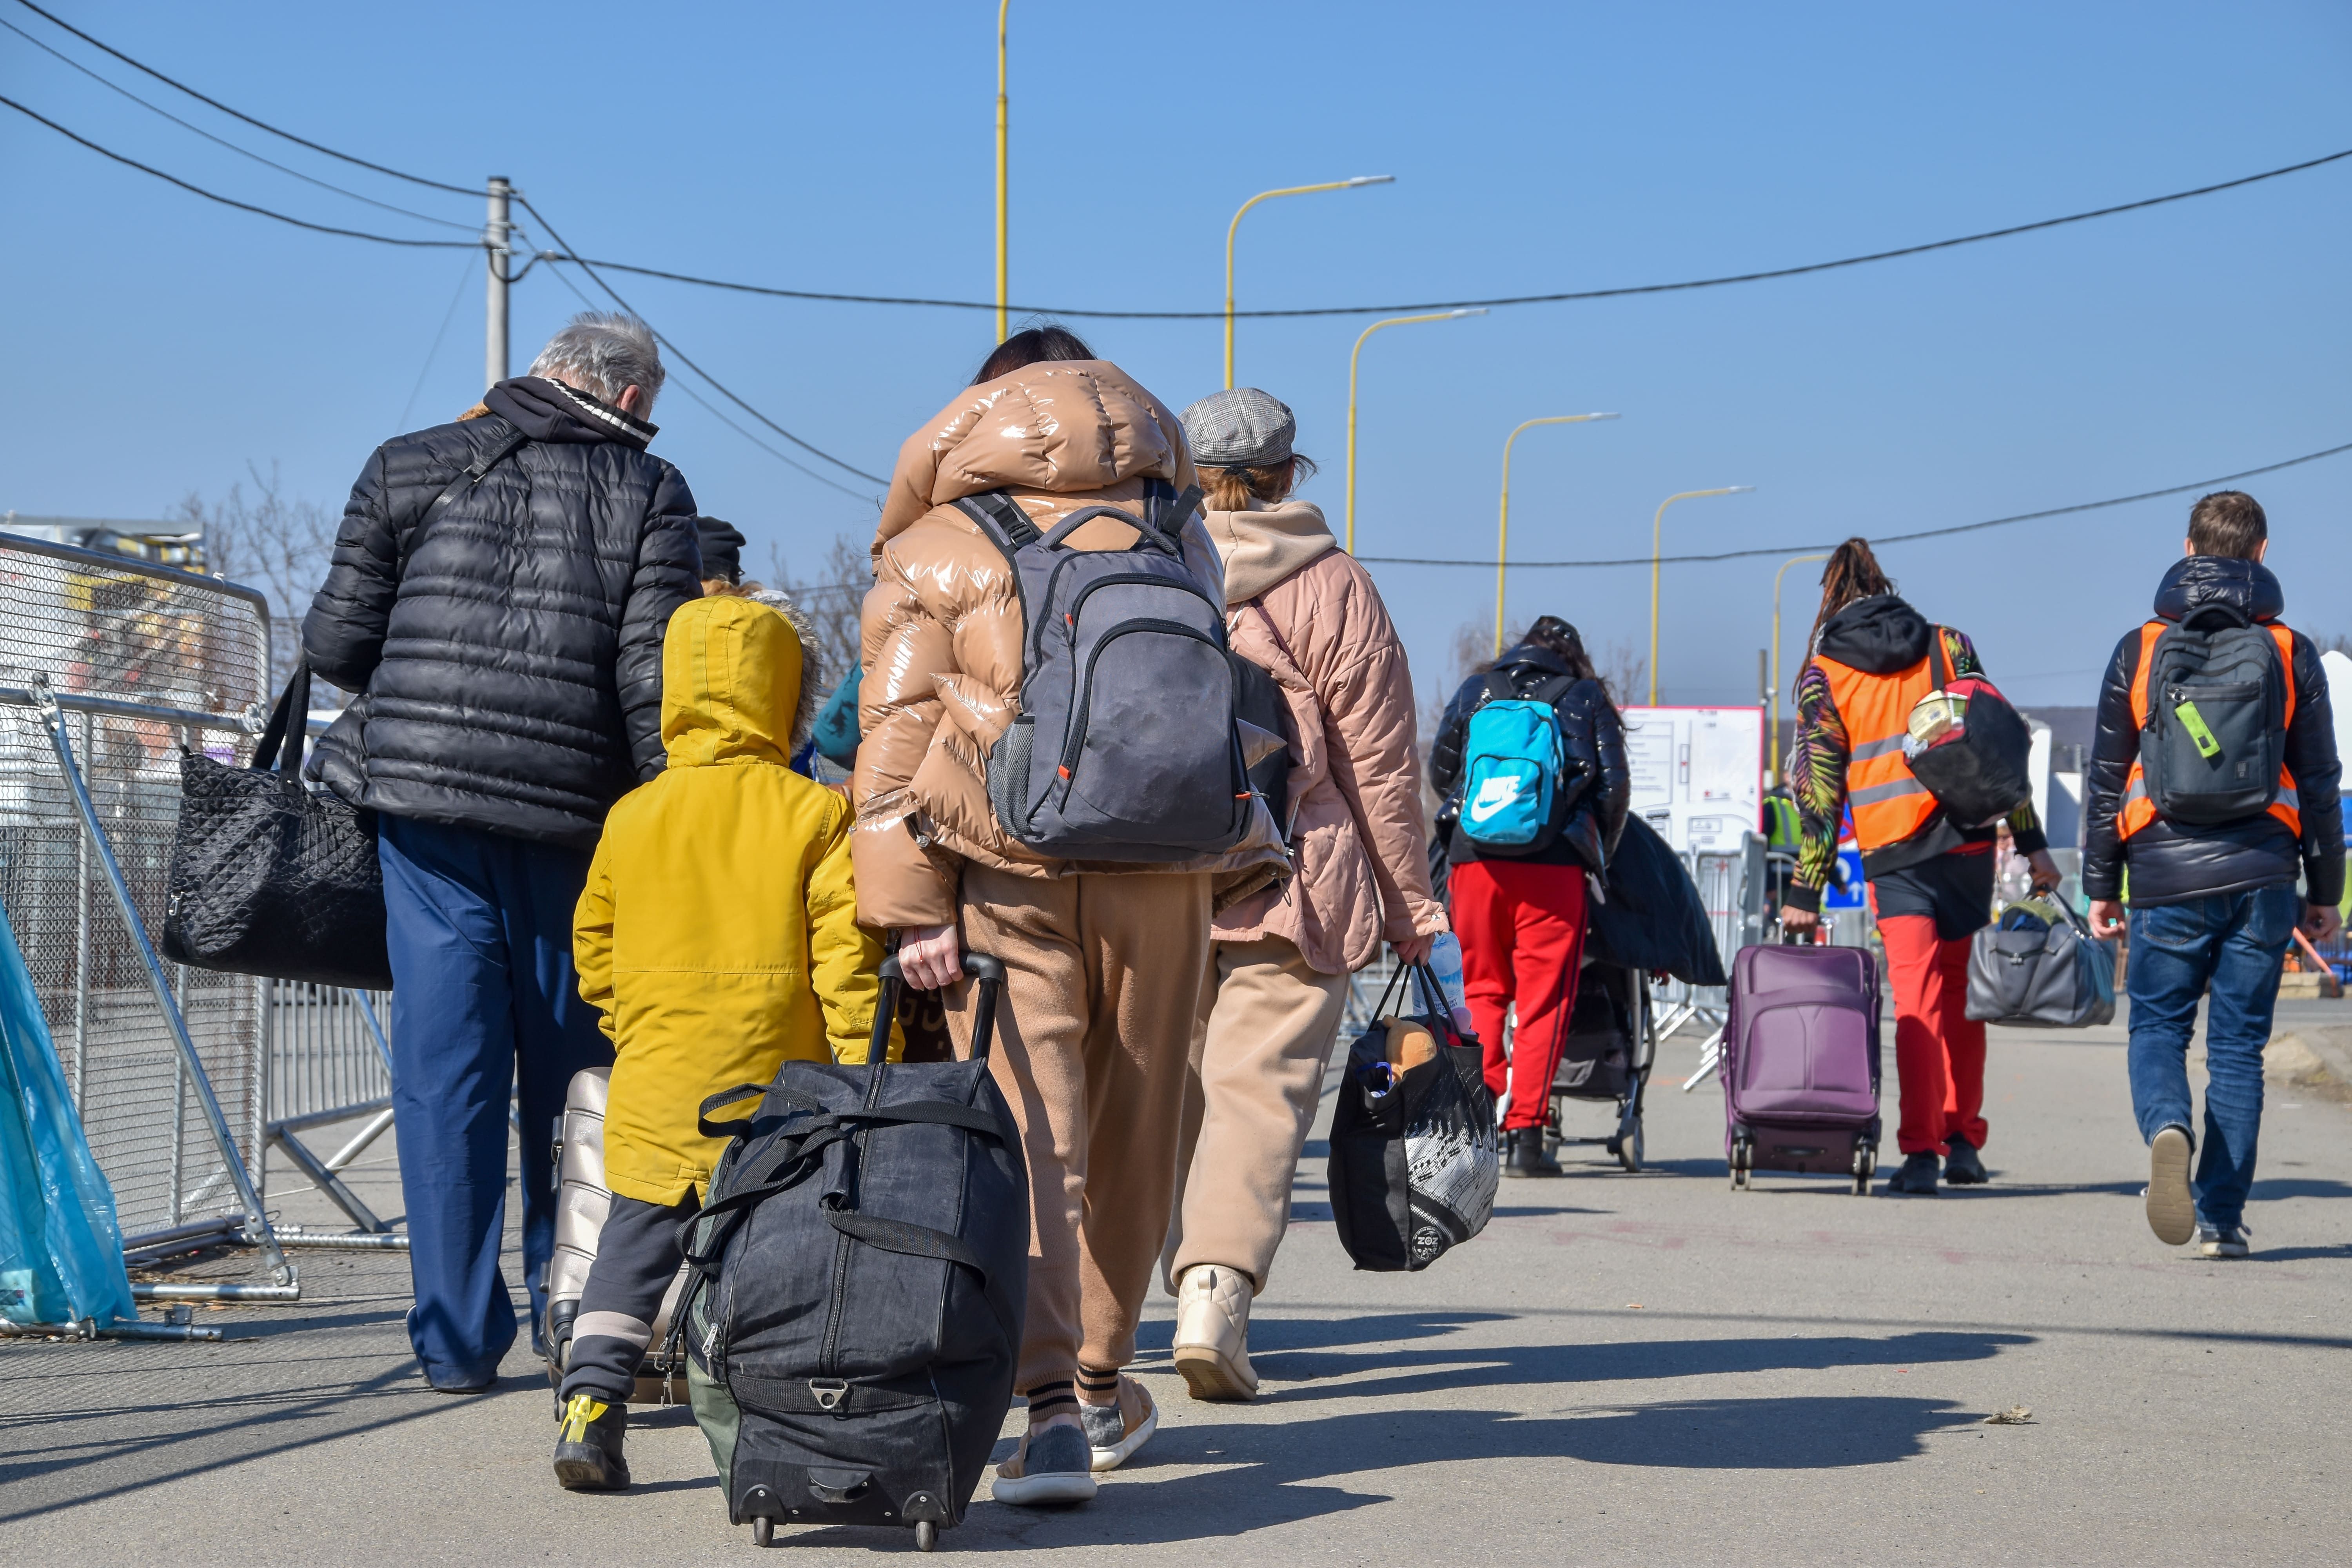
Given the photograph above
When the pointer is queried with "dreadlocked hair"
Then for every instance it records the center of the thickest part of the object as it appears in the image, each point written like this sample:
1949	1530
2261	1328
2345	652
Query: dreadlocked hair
1851	573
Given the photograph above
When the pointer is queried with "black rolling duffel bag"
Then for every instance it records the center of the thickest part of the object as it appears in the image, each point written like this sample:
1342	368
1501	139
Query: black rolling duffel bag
863	1261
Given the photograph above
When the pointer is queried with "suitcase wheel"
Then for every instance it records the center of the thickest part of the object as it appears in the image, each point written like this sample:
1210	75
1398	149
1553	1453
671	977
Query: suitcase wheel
1742	1151
763	1530
1866	1164
927	1535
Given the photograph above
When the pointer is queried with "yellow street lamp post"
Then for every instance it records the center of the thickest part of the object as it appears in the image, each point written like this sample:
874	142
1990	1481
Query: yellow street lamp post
1503	534
1352	358
1235	227
1772	735
1003	123
1657	533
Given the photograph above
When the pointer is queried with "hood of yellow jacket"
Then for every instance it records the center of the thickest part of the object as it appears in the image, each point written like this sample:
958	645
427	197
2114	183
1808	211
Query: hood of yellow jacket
730	683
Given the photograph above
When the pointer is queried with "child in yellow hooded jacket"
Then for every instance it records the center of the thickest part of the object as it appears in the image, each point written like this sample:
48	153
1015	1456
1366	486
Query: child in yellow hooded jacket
718	935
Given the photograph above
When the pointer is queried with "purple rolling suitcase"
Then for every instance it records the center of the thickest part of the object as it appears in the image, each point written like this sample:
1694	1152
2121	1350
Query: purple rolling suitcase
1801	1063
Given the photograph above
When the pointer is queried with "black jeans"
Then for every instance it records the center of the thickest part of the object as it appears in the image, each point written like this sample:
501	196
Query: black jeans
637	1257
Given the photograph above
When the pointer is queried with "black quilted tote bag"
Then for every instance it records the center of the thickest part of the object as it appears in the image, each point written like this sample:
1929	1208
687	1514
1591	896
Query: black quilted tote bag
270	879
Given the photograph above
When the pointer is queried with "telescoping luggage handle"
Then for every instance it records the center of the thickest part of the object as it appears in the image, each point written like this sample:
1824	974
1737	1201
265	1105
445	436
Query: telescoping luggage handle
990	974
988	970
704	1238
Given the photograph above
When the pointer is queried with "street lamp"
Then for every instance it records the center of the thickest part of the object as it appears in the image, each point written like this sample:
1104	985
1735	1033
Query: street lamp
1233	227
1352	357
1502	535
1658	532
1772	741
1003	122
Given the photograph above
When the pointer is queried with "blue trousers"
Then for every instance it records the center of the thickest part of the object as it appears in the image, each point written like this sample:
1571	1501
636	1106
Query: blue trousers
487	1005
2228	946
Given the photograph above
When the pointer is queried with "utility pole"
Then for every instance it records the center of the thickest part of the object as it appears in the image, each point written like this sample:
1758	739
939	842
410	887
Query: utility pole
1004	130
494	242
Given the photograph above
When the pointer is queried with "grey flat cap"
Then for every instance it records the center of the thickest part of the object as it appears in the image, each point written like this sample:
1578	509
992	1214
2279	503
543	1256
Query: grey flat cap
1240	427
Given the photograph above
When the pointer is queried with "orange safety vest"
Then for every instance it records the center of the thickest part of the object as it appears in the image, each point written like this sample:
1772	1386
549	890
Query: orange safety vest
1889	804
2139	811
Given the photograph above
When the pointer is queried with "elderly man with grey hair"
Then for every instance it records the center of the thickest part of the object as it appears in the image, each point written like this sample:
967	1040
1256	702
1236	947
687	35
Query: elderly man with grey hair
499	590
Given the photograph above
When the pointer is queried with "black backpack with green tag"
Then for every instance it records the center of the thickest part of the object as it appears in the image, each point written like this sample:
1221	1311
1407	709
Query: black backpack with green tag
2212	741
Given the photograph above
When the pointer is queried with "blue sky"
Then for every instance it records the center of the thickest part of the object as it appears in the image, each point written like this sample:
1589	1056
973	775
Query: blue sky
159	344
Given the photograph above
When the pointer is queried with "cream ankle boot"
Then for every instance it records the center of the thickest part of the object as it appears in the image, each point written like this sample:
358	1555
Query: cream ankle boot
1213	1306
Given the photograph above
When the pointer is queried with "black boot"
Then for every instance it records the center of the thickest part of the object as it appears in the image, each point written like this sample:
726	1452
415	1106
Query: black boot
1961	1166
588	1446
1528	1157
1918	1176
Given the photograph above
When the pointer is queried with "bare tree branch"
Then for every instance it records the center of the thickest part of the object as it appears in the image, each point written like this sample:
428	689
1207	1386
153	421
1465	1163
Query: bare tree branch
276	544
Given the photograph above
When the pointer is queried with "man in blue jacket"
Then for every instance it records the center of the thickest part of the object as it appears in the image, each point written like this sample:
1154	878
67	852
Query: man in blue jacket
2213	903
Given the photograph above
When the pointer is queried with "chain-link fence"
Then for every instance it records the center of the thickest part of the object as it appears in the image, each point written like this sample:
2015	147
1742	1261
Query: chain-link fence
143	660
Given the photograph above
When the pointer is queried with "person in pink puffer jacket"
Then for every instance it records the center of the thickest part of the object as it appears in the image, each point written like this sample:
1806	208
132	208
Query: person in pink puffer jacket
1298	606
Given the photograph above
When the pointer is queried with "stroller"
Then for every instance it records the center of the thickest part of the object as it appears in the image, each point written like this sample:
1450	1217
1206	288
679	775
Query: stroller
1612	1043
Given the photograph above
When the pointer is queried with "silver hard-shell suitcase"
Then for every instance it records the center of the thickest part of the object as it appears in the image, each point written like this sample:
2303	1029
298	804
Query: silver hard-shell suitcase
583	1201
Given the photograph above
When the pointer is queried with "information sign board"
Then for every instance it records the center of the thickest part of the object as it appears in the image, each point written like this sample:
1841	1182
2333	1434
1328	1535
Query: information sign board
1697	773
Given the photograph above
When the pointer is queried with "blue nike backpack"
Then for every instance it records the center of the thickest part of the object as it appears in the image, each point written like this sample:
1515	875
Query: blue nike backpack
1513	801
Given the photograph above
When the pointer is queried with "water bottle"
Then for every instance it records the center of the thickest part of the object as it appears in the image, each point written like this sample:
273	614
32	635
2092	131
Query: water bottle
1445	963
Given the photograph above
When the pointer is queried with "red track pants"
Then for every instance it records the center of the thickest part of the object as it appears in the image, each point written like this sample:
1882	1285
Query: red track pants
1522	933
1939	1053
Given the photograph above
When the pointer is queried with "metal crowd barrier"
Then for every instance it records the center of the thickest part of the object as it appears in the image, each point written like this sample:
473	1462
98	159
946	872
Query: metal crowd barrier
107	666
1731	886
330	1061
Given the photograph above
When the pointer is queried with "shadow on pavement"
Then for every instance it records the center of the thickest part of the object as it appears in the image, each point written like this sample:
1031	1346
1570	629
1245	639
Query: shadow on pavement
1442	1368
2273	1188
1274	1334
87	1455
1254	1476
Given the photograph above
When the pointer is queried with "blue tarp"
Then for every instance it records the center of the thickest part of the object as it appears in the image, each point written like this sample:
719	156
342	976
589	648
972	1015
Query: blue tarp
60	1246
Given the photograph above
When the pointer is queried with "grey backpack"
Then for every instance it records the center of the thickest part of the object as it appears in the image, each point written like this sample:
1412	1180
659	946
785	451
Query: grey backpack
1126	747
2215	734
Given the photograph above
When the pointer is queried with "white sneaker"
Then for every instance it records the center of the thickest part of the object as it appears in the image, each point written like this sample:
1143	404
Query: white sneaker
1213	1305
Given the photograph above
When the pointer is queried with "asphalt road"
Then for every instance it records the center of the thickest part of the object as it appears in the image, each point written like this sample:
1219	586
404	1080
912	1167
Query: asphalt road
1624	1369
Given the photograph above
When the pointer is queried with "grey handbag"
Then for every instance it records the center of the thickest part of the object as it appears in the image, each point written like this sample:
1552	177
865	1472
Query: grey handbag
2038	966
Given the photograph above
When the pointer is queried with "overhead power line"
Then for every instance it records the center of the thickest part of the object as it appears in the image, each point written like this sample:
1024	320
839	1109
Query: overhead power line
223	141
1881	538
1618	293
716	413
232	200
716	386
240	114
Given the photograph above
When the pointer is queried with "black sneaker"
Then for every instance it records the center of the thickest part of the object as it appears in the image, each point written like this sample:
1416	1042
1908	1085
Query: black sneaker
1917	1177
1528	1157
588	1446
1961	1166
2223	1241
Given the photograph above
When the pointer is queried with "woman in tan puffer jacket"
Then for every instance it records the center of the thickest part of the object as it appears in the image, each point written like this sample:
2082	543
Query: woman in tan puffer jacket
1270	1007
1103	961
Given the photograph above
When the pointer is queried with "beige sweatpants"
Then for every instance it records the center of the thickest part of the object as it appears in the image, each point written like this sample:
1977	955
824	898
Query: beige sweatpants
1261	1038
1102	973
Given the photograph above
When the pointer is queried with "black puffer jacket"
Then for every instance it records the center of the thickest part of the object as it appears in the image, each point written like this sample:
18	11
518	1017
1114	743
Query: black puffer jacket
2174	862
512	669
1589	731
